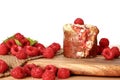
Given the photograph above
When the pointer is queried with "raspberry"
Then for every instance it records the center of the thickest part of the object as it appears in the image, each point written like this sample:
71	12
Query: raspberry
15	49
55	46
48	75
18	73
31	51
25	42
37	72
104	42
18	51
40	47
116	51
63	73
51	68
99	50
21	54
79	21
48	53
3	49
18	36
108	54
3	66
10	43
28	67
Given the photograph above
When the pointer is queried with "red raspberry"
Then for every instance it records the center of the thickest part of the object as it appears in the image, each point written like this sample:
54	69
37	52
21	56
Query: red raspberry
25	42
108	54
51	68
79	21
3	66
55	46
3	49
48	53
21	55
18	73
63	73
28	67
15	50
40	47
18	36
10	43
104	42
37	72
48	75
116	51
31	51
18	51
100	49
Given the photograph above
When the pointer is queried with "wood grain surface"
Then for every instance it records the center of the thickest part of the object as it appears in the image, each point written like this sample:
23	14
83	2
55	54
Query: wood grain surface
71	78
93	66
86	69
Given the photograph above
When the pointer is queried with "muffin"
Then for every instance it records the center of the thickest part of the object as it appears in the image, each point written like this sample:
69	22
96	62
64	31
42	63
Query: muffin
80	41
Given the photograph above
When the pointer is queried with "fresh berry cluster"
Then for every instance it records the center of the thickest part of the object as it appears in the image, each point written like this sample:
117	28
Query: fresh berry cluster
22	47
111	53
3	66
103	43
50	72
106	51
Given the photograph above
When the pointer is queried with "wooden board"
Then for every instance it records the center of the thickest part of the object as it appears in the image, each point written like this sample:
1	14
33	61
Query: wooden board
95	66
92	66
71	78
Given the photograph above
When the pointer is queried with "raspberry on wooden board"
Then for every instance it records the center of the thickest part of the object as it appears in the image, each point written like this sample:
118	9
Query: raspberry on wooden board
51	68
10	43
48	75
37	72
99	49
18	72
63	73
48	52
49	72
116	51
19	36
40	47
31	51
15	49
21	55
25	42
3	66
104	42
108	54
28	67
55	46
3	49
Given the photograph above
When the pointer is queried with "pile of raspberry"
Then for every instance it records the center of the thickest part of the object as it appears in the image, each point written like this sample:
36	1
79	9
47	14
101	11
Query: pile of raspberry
50	72
106	51
22	47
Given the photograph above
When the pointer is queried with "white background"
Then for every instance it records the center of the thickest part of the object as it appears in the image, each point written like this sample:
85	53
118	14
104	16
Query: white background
43	20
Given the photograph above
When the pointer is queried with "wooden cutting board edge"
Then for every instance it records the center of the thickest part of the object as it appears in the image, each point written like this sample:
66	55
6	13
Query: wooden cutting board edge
66	62
83	66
